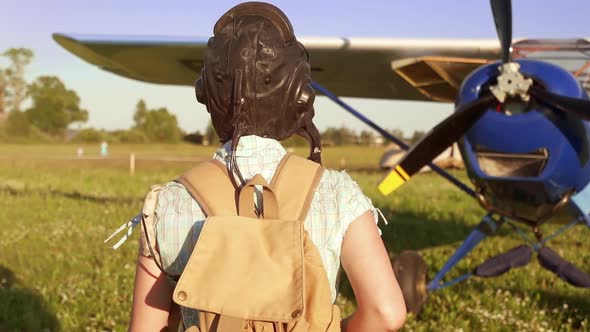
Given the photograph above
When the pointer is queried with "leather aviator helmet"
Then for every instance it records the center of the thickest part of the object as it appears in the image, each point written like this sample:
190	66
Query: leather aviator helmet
256	78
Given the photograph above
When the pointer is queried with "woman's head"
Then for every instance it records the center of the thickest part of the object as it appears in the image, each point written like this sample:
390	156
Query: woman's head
256	78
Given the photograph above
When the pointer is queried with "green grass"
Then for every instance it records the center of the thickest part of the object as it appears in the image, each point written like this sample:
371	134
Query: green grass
57	275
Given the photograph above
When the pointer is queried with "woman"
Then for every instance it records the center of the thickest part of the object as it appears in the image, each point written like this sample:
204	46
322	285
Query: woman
256	86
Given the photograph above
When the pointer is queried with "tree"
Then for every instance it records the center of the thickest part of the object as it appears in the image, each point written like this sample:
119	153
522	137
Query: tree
17	124
339	136
140	114
54	106
15	86
127	136
211	135
366	137
294	141
416	136
398	133
157	124
2	90
194	138
89	135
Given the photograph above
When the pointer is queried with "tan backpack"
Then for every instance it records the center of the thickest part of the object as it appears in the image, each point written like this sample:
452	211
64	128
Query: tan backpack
250	273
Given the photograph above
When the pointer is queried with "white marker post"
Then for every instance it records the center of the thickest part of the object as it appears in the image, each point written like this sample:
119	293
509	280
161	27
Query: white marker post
132	163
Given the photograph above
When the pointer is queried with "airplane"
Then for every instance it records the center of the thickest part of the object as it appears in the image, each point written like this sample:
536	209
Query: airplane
523	129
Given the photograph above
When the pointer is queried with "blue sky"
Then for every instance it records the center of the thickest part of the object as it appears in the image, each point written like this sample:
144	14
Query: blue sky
110	99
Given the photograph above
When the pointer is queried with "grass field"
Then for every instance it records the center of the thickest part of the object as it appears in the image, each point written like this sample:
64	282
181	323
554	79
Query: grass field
57	275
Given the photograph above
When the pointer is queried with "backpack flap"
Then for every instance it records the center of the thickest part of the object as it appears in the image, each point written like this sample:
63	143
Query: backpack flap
260	275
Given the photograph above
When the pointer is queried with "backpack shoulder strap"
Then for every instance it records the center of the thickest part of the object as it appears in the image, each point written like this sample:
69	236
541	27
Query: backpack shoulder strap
209	184
294	184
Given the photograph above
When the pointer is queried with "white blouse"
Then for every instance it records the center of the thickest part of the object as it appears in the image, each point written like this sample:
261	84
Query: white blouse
337	202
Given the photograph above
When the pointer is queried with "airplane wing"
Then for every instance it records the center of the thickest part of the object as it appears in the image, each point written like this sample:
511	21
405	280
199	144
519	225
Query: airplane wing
405	69
155	60
571	54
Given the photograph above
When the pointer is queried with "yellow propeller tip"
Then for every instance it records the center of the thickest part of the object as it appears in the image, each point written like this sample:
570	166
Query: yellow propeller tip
392	181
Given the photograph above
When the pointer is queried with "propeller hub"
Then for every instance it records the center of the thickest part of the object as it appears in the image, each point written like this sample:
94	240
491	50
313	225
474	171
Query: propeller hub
511	83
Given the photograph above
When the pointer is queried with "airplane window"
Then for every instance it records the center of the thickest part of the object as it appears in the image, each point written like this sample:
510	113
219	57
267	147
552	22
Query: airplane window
502	164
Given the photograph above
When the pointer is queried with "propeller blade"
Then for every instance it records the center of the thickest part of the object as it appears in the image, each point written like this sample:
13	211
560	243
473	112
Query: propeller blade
502	10
435	142
578	107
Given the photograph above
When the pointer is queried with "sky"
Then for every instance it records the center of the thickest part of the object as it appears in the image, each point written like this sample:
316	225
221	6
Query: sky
111	99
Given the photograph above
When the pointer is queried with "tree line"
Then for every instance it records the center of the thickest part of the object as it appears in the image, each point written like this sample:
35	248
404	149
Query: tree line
53	108
345	136
156	125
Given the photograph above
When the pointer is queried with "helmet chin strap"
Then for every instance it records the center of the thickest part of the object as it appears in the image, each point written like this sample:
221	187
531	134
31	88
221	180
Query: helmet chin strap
311	133
233	165
238	101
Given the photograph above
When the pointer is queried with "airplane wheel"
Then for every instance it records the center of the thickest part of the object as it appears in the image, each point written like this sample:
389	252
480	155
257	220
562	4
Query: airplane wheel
410	270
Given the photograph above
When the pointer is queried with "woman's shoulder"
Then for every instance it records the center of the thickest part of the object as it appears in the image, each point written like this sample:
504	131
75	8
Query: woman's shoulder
340	188
172	188
340	191
174	198
337	180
